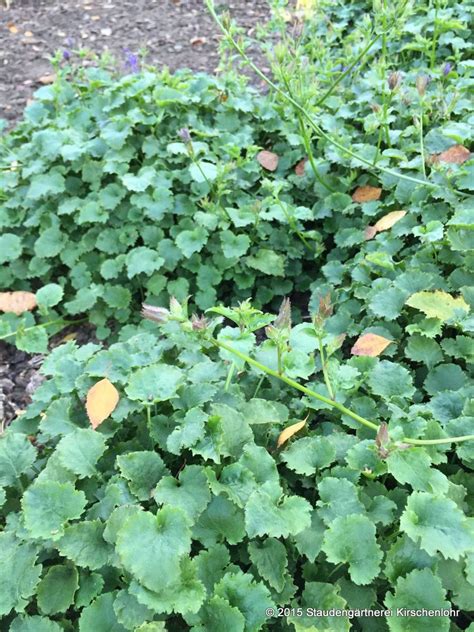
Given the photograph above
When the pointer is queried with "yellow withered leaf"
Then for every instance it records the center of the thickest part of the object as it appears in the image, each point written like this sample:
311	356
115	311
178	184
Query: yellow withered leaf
370	345
384	223
389	220
366	194
438	304
17	302
102	399
289	432
268	160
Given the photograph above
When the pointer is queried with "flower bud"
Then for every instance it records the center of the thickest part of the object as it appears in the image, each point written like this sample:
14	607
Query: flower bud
156	314
283	320
178	311
199	323
448	66
421	83
394	80
185	135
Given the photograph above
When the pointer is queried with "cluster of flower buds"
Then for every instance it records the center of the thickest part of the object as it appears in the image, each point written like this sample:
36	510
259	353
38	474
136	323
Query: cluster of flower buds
177	312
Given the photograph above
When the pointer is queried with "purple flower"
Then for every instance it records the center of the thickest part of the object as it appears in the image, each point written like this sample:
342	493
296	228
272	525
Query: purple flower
448	66
132	61
185	135
66	54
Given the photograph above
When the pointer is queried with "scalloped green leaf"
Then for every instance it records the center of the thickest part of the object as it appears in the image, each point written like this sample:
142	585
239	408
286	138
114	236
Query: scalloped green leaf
48	506
151	546
351	540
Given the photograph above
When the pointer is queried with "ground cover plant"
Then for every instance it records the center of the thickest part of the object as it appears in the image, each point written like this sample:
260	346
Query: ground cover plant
214	465
145	187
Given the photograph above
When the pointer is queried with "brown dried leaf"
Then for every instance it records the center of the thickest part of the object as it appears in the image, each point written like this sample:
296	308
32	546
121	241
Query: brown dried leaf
370	232
366	194
370	345
456	155
47	79
198	41
268	160
101	401
17	302
12	28
289	432
300	167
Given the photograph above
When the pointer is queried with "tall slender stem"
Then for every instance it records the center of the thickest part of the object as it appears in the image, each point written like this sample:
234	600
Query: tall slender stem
305	112
330	402
327	381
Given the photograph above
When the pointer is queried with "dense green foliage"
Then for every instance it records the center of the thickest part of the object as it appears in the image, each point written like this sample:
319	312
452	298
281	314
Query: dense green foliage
108	203
184	510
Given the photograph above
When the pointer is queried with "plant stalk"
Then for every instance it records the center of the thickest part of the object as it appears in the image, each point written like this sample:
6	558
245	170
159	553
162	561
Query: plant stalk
330	402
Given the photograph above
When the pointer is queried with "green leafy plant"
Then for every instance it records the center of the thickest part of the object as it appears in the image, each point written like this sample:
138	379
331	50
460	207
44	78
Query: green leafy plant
179	511
120	190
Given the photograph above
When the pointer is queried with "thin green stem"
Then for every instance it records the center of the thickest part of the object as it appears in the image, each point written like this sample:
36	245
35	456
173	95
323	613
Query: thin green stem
294	384
330	402
327	381
422	144
305	113
434	41
196	163
309	151
279	362
305	137
50	322
260	382
148	415
230	375
292	224
344	74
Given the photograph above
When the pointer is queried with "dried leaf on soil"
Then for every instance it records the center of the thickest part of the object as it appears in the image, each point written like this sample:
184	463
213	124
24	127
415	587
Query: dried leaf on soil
102	399
370	345
366	194
268	160
17	302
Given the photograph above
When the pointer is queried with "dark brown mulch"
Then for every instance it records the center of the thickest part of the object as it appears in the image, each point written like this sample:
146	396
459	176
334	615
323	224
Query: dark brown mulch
176	34
19	371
